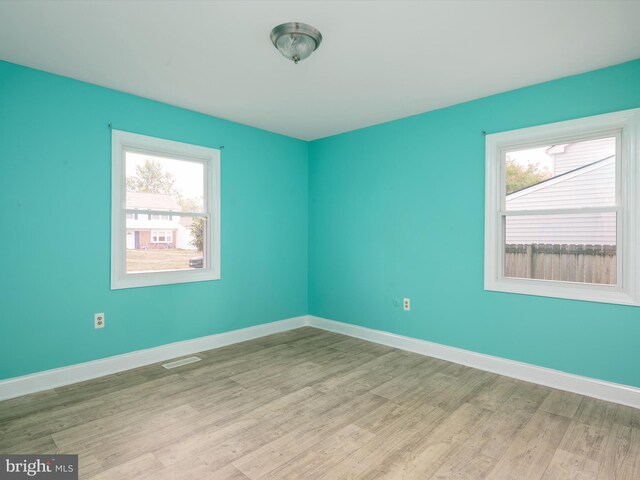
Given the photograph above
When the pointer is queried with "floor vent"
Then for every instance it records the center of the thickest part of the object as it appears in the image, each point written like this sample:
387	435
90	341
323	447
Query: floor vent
181	362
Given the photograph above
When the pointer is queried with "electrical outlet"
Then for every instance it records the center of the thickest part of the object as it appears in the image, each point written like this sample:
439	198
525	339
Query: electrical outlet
406	304
98	320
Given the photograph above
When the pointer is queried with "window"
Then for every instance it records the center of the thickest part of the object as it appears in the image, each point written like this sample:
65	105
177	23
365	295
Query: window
152	177
561	216
159	217
161	236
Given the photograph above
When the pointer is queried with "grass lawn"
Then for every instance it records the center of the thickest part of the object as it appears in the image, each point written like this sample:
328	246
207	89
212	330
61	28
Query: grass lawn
165	259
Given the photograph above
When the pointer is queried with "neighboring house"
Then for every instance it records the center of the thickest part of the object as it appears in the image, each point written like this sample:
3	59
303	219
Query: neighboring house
584	175
156	231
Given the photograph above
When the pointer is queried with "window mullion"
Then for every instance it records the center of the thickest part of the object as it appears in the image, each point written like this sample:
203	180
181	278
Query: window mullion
166	212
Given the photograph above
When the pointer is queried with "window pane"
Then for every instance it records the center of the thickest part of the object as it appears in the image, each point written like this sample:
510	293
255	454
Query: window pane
177	248
571	247
157	183
577	174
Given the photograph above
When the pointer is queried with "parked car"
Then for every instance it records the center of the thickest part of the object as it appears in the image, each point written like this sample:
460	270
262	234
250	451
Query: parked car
196	262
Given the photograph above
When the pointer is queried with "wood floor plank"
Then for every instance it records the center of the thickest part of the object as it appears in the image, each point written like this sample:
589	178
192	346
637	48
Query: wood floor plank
40	445
402	433
495	395
466	386
585	440
532	449
628	416
143	465
129	441
562	403
597	413
273	455
379	419
27	405
466	463
494	435
120	424
218	447
622	454
410	379
425	391
424	459
89	466
568	466
528	396
49	421
324	455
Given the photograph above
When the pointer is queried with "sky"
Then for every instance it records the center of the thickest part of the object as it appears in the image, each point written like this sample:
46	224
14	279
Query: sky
537	156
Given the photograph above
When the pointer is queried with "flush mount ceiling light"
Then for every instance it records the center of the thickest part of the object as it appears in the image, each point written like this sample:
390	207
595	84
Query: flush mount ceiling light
296	41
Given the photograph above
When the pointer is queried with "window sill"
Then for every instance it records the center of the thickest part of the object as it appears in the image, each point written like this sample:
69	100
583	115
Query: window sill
564	290
163	278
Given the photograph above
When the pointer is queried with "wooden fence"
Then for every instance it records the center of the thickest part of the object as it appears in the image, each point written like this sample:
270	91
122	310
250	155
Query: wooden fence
572	263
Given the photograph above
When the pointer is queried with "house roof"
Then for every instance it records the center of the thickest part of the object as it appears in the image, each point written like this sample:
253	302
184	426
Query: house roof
152	201
560	178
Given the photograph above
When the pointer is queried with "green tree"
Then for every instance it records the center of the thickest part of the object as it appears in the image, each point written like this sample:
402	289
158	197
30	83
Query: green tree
150	177
188	204
197	233
519	177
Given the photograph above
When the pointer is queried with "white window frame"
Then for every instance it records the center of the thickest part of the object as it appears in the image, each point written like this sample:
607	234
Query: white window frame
122	142
626	126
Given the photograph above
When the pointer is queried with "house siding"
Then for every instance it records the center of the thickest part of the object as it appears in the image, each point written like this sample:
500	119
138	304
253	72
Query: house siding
573	229
579	154
593	187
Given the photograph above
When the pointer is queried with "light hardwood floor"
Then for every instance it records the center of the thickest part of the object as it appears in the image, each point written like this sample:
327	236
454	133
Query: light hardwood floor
309	404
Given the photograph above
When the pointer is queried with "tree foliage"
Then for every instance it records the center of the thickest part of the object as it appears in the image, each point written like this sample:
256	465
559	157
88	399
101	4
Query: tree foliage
150	177
197	233
519	177
188	204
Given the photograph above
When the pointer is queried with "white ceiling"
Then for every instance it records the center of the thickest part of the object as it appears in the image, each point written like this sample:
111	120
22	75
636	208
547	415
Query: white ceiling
378	61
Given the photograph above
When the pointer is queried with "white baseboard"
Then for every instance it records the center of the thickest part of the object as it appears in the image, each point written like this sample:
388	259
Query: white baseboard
36	382
612	392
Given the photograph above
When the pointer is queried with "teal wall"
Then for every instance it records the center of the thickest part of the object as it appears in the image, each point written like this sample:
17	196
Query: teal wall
355	221
397	210
55	170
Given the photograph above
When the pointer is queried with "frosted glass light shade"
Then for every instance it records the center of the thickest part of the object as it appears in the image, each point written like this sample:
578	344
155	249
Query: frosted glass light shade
296	41
295	47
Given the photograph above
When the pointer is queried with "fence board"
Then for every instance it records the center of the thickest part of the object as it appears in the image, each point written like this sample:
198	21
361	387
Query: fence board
572	263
